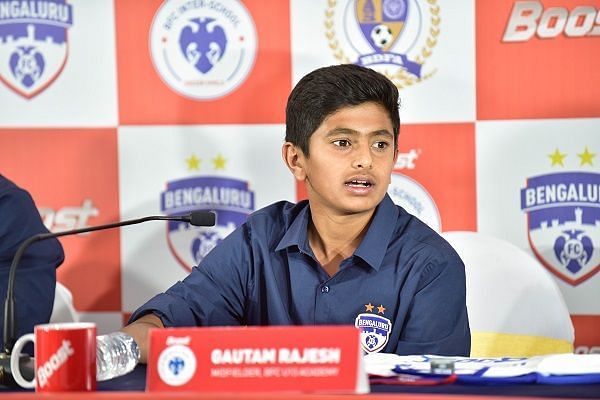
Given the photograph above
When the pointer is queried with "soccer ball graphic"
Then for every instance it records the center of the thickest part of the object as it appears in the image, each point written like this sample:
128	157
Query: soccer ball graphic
381	35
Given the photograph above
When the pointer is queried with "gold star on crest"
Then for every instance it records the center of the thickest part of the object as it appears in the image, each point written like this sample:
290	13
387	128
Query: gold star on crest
193	163
369	307
380	309
219	162
557	158
586	157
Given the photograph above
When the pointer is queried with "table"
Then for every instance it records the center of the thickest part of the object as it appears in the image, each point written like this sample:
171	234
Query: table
131	386
136	381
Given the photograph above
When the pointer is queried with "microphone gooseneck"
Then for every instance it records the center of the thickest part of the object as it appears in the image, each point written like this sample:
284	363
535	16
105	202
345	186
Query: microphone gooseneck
196	218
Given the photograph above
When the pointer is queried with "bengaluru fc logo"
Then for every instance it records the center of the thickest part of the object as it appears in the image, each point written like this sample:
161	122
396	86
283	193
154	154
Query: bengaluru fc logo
229	198
563	213
374	331
394	37
33	43
203	49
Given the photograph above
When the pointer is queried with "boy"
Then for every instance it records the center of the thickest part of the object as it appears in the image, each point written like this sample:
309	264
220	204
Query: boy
348	255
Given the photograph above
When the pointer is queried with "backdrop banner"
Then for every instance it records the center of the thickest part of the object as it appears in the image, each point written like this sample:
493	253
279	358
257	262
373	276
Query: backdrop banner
117	109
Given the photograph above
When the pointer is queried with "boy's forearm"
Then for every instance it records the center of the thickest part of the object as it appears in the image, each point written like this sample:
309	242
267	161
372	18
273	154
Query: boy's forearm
138	330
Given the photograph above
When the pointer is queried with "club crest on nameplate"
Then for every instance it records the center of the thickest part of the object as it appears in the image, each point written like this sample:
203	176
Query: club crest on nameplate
563	218
374	331
176	365
229	198
33	44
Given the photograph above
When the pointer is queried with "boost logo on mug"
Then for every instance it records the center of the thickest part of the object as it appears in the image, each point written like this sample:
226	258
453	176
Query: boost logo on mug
65	357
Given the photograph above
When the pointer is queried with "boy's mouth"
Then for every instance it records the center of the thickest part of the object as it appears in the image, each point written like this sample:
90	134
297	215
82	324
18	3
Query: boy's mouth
362	183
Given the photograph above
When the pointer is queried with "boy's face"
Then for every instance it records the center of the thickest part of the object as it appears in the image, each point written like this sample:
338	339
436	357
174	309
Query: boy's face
351	159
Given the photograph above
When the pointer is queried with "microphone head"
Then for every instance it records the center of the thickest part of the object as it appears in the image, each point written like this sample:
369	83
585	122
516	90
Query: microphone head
202	218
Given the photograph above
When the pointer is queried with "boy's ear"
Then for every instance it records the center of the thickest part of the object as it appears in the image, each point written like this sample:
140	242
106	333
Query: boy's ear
294	160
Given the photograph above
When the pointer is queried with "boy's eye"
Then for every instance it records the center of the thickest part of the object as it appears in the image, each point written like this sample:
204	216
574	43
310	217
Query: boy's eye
341	142
381	145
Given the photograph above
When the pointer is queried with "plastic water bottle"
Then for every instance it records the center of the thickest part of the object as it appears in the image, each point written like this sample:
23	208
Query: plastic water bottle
116	354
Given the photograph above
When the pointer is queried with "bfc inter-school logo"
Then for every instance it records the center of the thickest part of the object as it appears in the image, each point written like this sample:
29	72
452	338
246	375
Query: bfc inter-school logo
394	37
176	363
410	194
203	49
33	43
563	213
231	200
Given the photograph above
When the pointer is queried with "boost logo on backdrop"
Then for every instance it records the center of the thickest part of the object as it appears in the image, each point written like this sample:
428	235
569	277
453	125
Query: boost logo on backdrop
529	17
394	37
203	49
563	213
230	198
33	43
68	217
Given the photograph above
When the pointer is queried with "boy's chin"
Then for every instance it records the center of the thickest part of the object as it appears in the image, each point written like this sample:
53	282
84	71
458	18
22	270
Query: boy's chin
360	206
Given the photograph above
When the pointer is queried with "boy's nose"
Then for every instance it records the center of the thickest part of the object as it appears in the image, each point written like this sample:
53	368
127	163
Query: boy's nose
363	159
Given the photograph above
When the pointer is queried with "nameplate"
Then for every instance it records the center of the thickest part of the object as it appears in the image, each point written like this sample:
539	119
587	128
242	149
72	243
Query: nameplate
256	359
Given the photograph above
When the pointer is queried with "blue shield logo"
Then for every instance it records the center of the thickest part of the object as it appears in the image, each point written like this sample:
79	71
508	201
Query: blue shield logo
374	331
229	198
203	43
563	214
33	44
176	365
381	23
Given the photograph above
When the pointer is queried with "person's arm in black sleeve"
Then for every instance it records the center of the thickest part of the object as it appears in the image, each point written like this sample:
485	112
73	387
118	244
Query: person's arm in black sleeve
35	282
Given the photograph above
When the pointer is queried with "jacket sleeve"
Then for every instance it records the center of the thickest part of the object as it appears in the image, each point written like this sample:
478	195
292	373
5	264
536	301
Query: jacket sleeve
36	274
213	294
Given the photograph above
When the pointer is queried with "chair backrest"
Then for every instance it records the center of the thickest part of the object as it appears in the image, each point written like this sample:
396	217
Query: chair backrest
63	309
515	307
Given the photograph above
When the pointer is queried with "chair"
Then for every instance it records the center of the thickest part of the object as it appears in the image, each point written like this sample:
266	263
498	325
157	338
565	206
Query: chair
515	307
63	309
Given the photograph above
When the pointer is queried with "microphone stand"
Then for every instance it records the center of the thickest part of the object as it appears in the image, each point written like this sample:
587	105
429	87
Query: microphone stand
196	218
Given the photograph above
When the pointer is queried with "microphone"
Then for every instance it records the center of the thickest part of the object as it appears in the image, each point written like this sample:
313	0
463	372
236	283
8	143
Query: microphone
195	218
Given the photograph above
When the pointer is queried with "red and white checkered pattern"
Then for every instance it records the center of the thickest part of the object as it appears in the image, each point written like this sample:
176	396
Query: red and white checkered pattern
100	143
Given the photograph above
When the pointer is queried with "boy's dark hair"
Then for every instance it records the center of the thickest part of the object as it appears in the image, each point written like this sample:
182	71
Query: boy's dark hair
328	89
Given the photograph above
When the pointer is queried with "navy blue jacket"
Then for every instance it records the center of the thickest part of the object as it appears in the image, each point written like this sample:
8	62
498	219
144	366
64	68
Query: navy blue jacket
36	275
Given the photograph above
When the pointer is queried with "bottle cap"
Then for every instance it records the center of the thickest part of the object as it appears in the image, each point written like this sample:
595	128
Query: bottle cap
442	366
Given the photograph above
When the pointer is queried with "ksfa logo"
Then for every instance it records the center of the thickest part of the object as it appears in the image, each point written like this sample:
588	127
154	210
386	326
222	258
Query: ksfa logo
563	213
230	198
33	43
394	37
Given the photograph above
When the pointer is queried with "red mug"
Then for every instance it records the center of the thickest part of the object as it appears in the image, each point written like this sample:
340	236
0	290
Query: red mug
65	357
